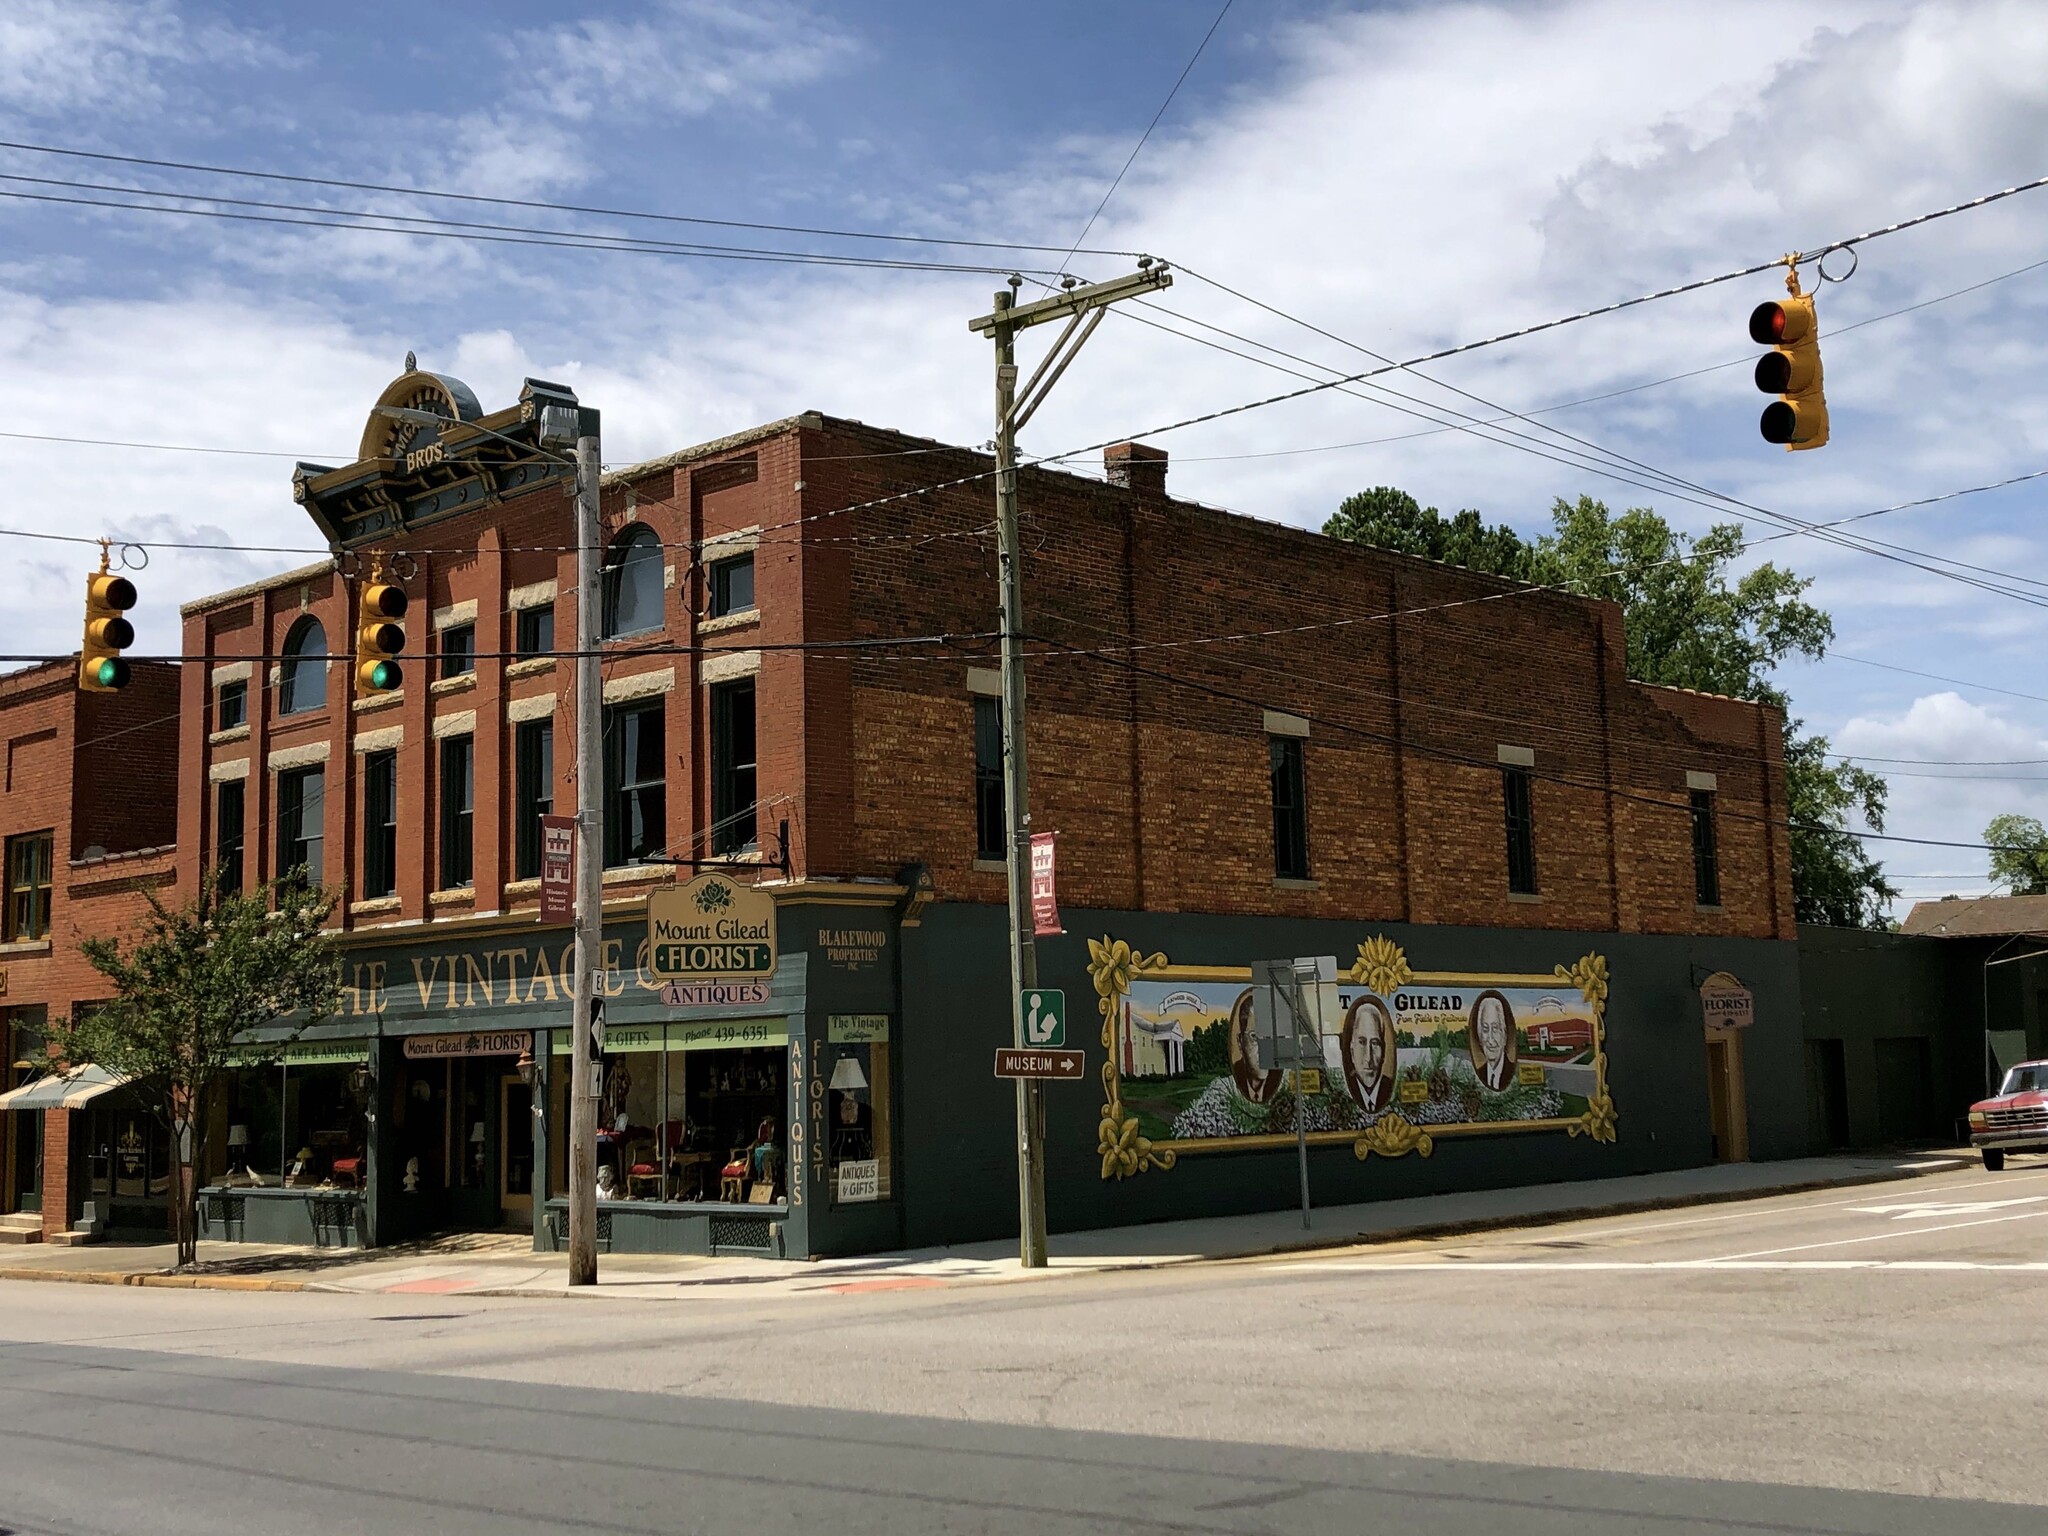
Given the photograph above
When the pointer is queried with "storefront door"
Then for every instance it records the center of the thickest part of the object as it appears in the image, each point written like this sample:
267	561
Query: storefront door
1727	1103
515	1151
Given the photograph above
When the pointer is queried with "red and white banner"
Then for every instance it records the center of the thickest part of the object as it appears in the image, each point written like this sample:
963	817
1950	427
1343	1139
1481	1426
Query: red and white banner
557	869
1045	905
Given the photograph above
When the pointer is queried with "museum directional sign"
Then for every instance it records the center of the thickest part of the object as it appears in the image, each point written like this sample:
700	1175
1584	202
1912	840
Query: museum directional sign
712	929
1060	1065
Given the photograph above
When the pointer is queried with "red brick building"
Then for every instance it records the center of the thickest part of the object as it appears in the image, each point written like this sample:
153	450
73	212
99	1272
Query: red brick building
1249	738
88	815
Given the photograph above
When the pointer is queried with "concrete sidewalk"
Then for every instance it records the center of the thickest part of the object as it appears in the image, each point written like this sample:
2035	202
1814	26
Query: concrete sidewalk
504	1264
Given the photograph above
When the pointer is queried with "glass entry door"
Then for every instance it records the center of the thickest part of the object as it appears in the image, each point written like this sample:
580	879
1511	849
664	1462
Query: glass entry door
515	1151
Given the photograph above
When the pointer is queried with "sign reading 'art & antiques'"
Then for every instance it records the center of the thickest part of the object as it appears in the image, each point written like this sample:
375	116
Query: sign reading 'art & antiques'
712	929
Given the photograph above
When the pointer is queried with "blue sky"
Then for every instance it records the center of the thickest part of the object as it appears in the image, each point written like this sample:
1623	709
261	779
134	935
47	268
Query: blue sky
1407	176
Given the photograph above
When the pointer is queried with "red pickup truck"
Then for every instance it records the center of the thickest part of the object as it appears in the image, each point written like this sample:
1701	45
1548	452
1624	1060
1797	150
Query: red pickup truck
2016	1120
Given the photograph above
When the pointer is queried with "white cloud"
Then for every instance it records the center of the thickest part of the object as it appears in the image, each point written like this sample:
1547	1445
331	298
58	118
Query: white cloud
63	56
687	58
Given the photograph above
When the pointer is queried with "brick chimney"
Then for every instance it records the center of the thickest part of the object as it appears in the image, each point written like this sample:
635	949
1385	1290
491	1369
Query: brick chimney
1136	467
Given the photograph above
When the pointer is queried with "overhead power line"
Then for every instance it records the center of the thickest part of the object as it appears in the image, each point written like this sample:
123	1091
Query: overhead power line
543	205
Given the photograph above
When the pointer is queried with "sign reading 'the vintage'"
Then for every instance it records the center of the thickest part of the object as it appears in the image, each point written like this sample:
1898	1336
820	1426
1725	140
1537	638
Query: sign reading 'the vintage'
713	929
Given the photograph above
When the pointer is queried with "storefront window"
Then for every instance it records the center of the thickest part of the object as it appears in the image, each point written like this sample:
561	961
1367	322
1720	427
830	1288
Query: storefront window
300	1123
686	1112
857	1139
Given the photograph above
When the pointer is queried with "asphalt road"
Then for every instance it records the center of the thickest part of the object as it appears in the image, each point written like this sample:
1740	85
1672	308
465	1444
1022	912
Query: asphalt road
1861	1361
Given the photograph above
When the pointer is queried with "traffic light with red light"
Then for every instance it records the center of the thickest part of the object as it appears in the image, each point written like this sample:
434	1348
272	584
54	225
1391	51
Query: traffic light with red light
1798	418
379	639
101	666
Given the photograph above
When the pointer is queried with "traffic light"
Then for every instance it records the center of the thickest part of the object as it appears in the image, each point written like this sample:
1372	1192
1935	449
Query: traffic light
1798	418
379	637
101	667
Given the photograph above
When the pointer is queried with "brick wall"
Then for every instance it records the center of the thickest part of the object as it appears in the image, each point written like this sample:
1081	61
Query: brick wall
1151	758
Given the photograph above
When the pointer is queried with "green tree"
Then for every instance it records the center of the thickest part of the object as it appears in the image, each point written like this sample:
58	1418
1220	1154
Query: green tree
1390	519
194	982
1690	622
2019	854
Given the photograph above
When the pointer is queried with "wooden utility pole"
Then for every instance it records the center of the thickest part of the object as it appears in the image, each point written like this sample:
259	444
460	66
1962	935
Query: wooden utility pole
1014	407
584	1066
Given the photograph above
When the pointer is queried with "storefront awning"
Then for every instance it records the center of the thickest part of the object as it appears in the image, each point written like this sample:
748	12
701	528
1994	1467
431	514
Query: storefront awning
63	1090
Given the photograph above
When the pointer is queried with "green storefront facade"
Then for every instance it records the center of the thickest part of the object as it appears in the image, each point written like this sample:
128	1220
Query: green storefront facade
890	1130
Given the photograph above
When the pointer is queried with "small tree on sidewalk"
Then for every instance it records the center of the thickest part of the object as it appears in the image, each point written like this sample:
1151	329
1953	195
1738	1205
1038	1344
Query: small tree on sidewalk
199	977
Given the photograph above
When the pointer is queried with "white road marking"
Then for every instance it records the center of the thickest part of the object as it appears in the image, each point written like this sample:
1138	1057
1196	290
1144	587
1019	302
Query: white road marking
1846	1242
1789	1209
1943	1207
1608	1266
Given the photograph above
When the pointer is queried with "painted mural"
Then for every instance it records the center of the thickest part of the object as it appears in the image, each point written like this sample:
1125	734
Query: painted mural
1407	1057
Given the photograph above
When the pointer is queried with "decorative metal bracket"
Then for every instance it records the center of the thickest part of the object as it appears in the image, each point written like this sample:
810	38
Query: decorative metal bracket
779	863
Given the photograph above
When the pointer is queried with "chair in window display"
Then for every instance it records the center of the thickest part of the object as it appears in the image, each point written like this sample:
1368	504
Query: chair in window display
643	1169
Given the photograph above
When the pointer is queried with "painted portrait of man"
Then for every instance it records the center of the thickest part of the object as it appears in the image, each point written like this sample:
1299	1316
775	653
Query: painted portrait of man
1368	1054
1490	1037
1255	1081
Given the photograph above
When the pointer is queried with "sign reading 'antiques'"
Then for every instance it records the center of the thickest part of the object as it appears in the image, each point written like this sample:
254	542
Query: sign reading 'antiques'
1726	1002
1405	1057
713	929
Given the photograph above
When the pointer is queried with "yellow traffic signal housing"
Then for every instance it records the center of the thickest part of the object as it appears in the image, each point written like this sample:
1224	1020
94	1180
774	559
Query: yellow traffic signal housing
101	667
379	638
1798	418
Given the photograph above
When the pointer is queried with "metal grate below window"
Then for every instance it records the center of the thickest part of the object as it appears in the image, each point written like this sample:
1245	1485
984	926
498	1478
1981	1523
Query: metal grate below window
226	1210
753	1233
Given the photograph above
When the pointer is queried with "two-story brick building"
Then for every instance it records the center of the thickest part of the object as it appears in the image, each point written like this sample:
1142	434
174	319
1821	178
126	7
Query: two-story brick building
1252	741
88	816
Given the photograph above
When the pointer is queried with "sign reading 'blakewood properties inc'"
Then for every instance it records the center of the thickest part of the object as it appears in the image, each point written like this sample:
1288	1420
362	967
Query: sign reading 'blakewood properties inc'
713	929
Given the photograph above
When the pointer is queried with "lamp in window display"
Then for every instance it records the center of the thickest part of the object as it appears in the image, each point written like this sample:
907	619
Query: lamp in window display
853	1137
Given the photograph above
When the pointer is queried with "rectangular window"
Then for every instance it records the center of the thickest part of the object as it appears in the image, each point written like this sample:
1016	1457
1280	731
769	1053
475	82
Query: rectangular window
301	819
989	841
533	769
535	632
635	784
458	806
380	824
1706	868
29	863
1290	808
228	803
732	586
458	650
1521	829
231	706
733	827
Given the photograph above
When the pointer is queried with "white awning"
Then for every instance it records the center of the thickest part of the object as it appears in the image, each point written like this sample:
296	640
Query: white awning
62	1090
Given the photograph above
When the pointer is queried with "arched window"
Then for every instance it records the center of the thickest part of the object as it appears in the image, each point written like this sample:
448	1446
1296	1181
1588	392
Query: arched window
632	583
303	685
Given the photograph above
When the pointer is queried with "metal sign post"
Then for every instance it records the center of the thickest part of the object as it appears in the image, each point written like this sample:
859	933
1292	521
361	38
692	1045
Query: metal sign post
1291	1000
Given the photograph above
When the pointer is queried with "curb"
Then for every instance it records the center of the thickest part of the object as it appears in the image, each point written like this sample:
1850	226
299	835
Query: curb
162	1279
1417	1232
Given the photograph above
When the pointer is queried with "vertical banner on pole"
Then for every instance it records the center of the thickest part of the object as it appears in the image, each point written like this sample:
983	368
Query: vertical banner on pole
1045	906
557	869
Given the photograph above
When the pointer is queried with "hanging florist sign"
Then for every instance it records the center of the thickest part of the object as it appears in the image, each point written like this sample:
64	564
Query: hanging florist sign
713	929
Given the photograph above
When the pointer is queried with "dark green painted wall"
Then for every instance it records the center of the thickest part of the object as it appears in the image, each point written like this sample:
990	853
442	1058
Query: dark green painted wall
1876	992
958	1120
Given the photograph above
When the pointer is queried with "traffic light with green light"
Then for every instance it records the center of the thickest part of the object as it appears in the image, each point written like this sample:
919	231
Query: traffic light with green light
379	638
1798	418
101	666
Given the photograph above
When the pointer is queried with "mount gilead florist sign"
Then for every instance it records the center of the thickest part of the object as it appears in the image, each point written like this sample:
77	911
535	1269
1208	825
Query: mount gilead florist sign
713	929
